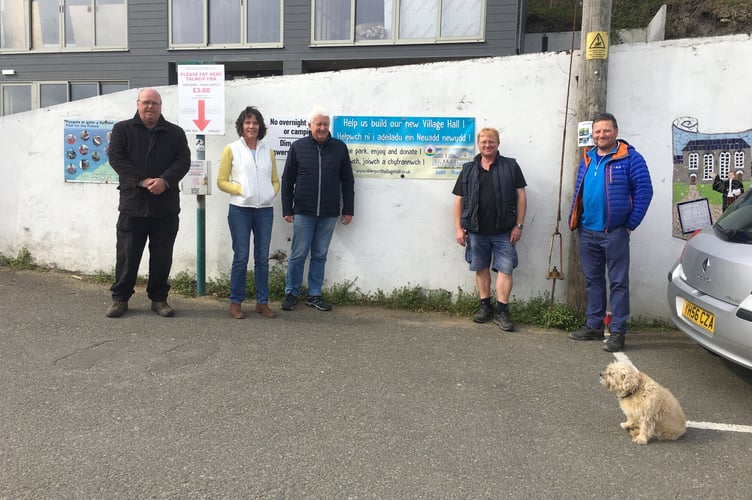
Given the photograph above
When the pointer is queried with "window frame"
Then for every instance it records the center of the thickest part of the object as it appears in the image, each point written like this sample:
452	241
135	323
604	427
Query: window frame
395	28
36	89
39	86
242	44
708	165
724	164
4	85
739	158
62	44
693	161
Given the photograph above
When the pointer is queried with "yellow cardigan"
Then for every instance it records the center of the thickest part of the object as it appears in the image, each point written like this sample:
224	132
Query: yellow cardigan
225	169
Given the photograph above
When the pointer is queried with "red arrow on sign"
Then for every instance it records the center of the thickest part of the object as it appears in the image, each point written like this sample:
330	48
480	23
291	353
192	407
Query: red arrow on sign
202	122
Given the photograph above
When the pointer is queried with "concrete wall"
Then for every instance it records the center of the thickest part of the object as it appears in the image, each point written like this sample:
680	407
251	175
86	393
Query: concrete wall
402	233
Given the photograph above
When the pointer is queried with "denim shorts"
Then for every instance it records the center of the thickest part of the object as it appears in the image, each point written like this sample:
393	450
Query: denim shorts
498	245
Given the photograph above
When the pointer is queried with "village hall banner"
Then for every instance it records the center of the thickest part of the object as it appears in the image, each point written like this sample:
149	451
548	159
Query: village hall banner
406	147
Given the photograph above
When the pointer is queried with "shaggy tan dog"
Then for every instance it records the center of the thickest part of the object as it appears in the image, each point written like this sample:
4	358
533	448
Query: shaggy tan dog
651	410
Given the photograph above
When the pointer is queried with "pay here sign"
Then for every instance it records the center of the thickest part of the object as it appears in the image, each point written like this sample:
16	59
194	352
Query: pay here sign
201	98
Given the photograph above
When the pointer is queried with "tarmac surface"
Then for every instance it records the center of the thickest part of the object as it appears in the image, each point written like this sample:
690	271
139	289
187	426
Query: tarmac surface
354	403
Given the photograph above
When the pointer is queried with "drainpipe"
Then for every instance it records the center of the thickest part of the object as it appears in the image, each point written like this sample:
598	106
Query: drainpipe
521	26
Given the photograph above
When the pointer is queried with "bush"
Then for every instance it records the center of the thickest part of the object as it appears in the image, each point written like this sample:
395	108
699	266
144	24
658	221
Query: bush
540	312
22	261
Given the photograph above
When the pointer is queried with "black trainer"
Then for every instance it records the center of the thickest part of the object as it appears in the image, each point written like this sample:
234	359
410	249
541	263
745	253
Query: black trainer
615	343
288	303
317	302
484	314
502	319
587	333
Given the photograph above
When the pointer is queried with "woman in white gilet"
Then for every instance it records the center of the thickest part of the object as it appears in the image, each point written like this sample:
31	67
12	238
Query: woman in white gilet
248	172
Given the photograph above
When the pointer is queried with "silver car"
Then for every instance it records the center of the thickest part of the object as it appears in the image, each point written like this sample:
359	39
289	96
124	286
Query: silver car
710	286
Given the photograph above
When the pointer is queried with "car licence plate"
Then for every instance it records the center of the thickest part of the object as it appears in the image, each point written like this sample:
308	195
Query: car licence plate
699	316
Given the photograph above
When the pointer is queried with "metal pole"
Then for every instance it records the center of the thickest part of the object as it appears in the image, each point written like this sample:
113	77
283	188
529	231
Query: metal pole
591	100
201	226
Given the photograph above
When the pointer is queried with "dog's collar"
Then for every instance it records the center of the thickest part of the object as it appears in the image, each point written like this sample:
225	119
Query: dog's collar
629	393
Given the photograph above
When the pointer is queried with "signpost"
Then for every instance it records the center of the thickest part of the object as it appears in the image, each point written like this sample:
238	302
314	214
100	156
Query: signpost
201	111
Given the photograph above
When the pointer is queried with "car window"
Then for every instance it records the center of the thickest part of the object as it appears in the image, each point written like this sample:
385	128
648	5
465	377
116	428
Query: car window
735	225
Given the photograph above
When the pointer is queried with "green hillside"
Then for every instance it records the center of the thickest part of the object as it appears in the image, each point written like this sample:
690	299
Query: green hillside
685	18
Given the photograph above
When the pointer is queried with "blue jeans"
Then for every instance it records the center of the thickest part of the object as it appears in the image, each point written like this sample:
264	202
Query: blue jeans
602	252
243	221
309	234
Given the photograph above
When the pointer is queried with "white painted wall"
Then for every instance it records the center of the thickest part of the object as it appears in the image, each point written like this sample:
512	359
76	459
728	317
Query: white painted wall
402	233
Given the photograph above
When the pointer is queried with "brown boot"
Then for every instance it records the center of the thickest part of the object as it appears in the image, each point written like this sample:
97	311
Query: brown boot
162	308
265	310
117	308
235	311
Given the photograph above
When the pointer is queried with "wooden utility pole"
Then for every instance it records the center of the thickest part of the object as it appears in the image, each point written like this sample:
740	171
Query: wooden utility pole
591	100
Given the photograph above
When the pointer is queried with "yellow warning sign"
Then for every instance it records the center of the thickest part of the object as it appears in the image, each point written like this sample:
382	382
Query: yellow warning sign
597	45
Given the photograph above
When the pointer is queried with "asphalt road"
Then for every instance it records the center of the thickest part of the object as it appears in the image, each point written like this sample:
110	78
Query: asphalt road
354	403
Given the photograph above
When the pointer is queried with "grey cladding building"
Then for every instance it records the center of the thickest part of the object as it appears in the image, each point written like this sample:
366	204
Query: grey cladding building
54	51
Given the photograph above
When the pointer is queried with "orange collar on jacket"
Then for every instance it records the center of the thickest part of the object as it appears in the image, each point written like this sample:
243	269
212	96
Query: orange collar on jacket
621	151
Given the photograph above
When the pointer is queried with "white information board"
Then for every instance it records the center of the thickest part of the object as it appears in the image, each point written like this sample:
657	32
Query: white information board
196	180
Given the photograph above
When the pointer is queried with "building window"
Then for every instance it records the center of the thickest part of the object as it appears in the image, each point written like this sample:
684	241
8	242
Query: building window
739	160
83	90
397	21
110	23
52	93
724	164
18	97
112	87
693	161
708	165
13	26
55	25
225	23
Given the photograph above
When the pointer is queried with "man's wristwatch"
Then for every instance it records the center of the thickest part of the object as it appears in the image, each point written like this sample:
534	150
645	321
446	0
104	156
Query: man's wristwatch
519	225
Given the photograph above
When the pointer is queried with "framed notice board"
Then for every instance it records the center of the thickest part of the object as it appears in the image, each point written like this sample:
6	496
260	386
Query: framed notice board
694	215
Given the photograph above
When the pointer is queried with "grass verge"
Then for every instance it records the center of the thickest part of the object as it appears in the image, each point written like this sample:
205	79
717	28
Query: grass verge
537	310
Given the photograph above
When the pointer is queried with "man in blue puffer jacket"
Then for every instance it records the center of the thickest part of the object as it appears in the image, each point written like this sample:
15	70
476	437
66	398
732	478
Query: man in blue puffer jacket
612	196
317	185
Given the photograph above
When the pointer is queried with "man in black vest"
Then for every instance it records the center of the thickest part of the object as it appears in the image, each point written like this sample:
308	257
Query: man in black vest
489	211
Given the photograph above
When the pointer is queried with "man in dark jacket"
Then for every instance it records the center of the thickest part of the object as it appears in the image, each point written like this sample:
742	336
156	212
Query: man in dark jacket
151	156
317	185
